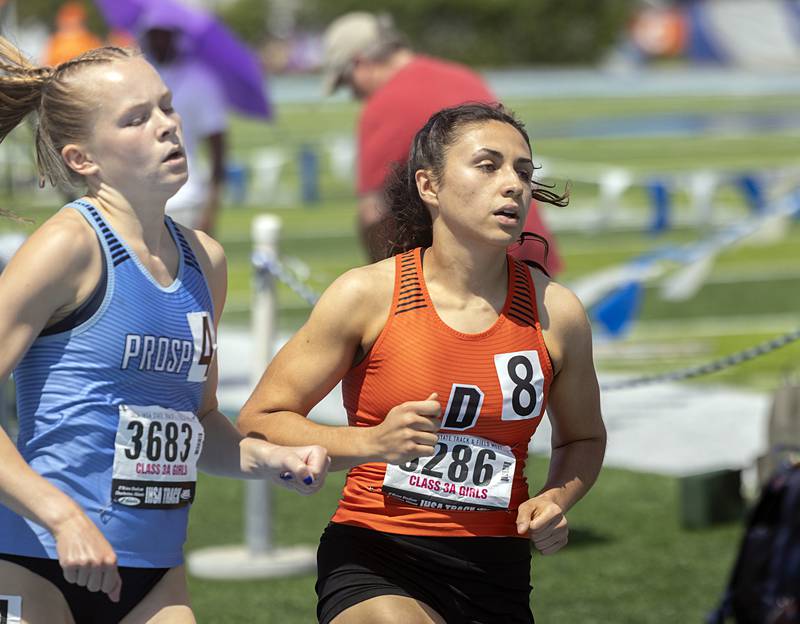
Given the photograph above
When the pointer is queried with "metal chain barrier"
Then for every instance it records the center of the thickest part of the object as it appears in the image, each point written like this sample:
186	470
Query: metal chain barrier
271	264
710	367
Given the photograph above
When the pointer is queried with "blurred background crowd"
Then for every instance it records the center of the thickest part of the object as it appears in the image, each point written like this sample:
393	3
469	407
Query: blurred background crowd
287	34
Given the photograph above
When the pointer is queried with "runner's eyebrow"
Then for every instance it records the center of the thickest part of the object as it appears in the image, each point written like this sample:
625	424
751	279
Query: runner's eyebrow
135	107
487	151
142	104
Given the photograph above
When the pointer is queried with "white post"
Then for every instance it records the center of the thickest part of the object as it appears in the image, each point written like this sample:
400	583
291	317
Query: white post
258	504
611	186
702	186
257	558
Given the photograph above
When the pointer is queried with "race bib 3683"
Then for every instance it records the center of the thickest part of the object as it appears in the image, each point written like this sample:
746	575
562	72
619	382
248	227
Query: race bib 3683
155	457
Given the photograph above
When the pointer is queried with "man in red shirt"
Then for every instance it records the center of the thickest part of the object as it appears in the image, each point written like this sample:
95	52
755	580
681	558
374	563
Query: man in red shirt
400	90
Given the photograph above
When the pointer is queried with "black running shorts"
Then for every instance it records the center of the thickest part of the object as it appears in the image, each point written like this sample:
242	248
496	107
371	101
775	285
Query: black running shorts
94	607
469	580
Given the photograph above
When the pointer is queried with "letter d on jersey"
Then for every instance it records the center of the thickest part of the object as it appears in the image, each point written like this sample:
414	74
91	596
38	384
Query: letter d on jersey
10	609
463	407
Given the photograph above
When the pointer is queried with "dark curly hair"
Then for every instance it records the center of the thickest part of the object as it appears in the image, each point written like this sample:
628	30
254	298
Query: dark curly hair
412	225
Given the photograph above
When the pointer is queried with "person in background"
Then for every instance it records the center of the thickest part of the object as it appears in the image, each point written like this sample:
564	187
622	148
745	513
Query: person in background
71	36
109	320
199	100
401	89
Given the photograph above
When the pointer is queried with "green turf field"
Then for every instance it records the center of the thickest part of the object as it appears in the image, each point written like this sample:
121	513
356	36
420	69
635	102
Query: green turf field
629	561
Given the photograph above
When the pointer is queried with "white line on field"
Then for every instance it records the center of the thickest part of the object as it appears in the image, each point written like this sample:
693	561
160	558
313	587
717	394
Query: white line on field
711	326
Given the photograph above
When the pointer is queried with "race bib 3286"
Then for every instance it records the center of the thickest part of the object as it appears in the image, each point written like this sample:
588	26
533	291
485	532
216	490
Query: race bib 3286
467	473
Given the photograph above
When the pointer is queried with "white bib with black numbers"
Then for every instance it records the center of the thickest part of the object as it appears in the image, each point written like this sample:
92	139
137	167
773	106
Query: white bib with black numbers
155	457
467	473
10	609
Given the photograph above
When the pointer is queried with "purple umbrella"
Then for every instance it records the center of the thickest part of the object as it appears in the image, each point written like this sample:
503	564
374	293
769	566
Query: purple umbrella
206	39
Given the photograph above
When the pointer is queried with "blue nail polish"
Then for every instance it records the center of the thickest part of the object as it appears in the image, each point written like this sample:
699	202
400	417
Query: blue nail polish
308	480
286	476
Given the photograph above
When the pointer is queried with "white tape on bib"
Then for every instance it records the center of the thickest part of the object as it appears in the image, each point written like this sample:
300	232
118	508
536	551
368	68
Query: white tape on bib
522	384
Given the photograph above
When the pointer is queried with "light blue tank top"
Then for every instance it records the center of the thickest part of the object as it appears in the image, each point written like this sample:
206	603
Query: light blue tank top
87	397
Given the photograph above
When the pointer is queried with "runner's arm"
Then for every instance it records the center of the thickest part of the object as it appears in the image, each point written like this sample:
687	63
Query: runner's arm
316	358
43	277
579	436
52	272
225	451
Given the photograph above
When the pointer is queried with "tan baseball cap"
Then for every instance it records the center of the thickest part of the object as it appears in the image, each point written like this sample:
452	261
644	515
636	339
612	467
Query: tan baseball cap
348	37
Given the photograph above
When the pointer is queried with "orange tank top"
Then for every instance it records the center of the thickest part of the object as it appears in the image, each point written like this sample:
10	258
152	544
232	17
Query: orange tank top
493	387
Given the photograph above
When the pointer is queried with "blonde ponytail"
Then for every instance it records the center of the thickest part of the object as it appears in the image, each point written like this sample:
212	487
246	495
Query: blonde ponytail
60	107
21	85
